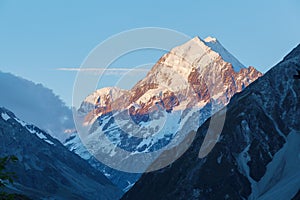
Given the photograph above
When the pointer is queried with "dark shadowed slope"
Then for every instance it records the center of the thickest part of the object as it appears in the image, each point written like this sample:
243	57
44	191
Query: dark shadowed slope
46	168
257	155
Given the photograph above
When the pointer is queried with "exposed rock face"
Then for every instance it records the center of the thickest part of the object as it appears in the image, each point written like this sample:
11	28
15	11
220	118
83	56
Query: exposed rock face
187	84
46	168
257	154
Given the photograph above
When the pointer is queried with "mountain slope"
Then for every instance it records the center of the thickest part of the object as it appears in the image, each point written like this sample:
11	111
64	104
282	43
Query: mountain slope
46	169
187	84
215	45
257	154
30	101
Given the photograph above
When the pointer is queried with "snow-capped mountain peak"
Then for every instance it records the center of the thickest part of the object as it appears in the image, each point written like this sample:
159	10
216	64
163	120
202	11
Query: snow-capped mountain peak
178	94
101	97
210	39
216	46
209	50
191	52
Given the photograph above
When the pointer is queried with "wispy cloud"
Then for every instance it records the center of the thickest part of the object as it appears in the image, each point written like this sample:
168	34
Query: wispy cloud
107	71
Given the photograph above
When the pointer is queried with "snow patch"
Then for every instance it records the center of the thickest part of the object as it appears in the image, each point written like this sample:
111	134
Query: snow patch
282	178
41	135
210	39
5	116
219	159
48	141
20	122
130	185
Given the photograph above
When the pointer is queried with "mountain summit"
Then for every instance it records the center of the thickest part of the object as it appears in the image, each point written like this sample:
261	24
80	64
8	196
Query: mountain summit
187	70
179	93
215	45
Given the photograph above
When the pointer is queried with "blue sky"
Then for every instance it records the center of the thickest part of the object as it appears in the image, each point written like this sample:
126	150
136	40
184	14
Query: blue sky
37	37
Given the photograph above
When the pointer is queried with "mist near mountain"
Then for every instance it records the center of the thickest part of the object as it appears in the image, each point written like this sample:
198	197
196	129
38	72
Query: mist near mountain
36	104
